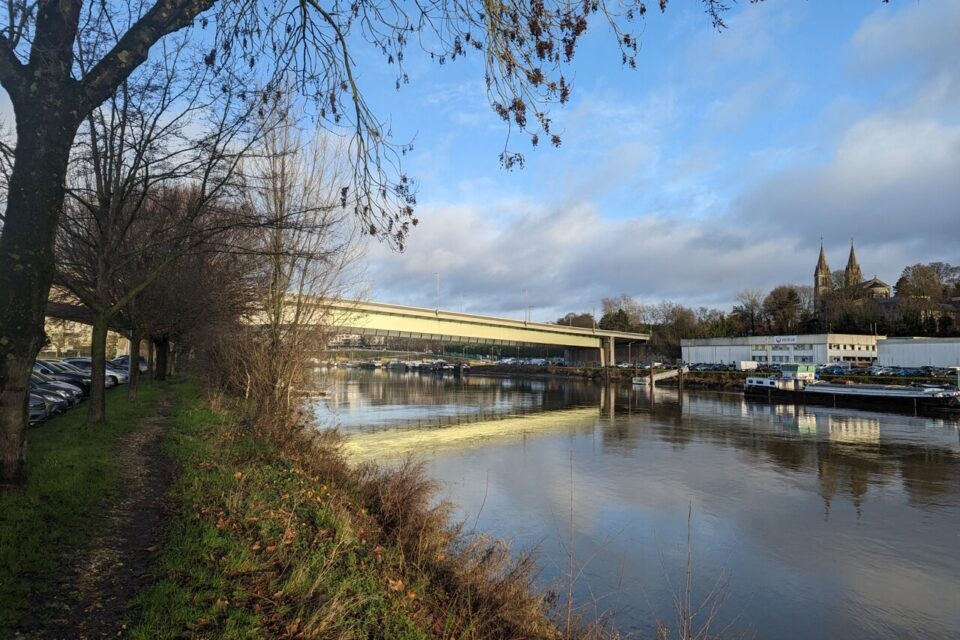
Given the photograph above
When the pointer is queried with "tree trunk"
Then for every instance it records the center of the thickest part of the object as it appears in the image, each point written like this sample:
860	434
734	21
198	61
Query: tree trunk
151	359
13	419
45	130
163	353
96	405
134	364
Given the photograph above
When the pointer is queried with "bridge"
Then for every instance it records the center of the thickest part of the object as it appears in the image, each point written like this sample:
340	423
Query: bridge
398	321
581	345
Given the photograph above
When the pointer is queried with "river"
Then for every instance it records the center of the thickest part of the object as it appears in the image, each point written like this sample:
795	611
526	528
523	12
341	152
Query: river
803	522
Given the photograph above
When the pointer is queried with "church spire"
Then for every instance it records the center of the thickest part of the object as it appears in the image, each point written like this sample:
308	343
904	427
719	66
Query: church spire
822	266
822	284
852	275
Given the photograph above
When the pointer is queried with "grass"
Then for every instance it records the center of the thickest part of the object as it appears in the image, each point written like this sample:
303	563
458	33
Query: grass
255	550
275	535
269	533
72	473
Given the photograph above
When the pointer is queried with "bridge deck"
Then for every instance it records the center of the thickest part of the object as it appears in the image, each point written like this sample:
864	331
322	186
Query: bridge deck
375	318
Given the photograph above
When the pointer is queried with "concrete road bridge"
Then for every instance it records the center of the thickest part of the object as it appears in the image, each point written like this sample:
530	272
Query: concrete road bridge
581	345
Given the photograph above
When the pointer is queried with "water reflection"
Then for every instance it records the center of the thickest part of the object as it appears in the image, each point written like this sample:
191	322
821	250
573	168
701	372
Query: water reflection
853	515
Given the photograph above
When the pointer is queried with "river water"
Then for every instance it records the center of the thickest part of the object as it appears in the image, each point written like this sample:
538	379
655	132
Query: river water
803	522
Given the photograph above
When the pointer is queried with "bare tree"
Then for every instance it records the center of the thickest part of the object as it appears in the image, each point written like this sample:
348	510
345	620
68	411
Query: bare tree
303	247
749	310
524	47
637	313
141	142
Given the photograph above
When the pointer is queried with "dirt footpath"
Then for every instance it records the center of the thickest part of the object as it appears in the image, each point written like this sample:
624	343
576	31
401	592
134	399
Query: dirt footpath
98	582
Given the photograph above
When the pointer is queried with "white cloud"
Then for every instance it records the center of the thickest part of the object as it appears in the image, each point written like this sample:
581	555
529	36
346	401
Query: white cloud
917	45
638	201
891	180
566	258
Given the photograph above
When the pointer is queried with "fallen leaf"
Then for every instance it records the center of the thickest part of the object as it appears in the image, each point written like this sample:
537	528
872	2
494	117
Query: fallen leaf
255	546
394	585
289	535
271	548
238	475
151	549
222	603
411	595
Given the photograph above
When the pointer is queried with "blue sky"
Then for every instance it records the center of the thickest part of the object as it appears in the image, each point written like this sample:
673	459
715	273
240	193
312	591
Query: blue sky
713	167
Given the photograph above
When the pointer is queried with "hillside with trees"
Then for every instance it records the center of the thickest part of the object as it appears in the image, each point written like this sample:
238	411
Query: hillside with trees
926	302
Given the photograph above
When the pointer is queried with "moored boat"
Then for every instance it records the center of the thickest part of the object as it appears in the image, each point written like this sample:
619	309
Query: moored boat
801	386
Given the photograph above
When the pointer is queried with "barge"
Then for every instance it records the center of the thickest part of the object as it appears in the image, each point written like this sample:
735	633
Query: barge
798	384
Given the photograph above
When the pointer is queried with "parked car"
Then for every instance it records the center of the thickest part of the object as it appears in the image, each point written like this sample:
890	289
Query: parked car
72	393
57	371
123	362
110	371
55	401
37	409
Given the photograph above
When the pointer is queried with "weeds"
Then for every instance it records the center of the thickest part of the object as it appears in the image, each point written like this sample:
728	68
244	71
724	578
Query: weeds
276	535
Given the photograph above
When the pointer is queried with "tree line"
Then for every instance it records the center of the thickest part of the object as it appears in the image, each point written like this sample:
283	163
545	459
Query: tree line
925	302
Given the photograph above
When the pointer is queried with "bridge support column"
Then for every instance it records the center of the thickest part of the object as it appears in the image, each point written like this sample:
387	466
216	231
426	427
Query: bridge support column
608	353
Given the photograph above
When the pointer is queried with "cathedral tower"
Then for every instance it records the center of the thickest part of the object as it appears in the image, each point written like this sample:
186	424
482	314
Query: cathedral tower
851	275
821	279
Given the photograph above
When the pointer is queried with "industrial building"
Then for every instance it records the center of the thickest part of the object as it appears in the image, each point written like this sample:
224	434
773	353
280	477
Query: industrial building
919	352
820	348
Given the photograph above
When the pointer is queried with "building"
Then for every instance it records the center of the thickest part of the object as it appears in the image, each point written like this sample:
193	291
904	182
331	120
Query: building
824	282
919	352
819	348
66	338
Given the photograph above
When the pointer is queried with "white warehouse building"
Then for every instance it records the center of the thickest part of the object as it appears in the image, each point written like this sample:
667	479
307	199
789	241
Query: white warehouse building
919	352
819	348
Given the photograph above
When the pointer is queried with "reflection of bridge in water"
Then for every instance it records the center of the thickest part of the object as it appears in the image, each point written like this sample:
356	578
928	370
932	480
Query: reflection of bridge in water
394	442
445	421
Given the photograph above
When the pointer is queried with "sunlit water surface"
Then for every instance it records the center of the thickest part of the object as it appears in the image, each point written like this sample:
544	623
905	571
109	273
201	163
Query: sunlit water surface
804	522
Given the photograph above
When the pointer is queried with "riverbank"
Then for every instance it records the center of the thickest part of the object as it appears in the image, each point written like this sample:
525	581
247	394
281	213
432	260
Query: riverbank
262	535
704	380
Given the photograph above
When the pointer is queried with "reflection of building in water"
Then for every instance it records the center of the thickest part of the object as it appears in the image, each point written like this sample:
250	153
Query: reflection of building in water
840	473
807	425
853	428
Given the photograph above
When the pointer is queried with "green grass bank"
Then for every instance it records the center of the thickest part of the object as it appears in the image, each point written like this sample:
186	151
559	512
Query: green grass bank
73	473
267	534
